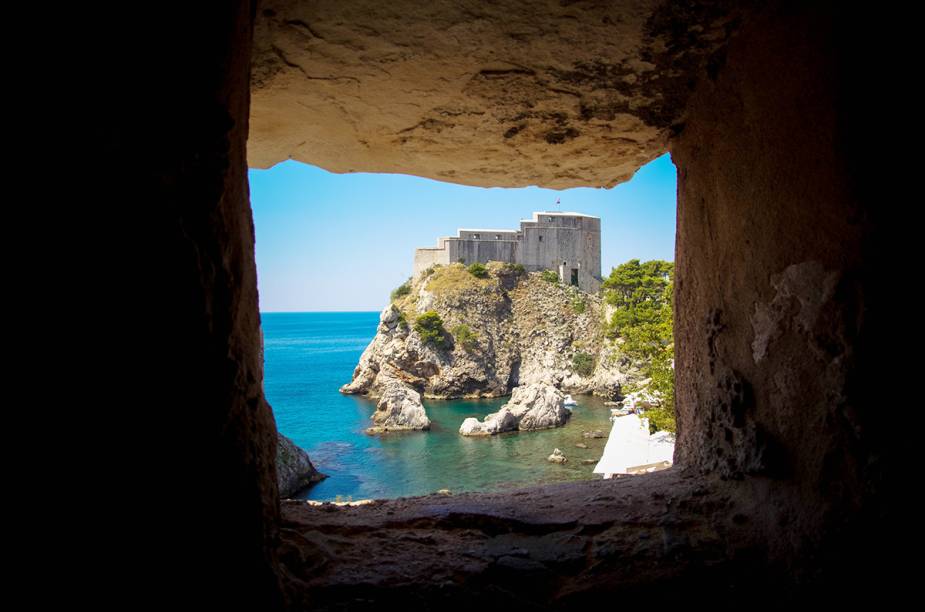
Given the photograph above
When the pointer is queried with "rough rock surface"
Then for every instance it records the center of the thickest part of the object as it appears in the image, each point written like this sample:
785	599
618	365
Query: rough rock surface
399	409
536	406
557	457
294	470
526	329
555	547
561	94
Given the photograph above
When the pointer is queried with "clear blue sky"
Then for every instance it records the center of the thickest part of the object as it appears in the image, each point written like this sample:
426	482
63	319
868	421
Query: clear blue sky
344	241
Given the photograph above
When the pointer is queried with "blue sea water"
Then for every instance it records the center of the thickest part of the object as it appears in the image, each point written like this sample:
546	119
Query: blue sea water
309	355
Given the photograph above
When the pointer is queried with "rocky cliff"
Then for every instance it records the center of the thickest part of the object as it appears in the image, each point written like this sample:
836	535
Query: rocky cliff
294	470
503	330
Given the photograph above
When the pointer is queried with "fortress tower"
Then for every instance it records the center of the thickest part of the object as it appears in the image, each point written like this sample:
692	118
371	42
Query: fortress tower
567	242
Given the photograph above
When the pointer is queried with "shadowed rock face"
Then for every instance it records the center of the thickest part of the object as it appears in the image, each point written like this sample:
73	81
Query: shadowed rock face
294	469
560	94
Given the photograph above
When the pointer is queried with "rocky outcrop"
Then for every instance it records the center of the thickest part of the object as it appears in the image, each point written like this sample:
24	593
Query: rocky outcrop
523	331
557	457
294	470
532	407
399	409
499	94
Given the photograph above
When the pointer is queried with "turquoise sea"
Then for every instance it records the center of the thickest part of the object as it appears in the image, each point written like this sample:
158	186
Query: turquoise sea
309	355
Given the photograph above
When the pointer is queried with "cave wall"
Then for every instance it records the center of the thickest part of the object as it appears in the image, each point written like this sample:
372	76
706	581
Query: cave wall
775	281
499	94
204	439
775	247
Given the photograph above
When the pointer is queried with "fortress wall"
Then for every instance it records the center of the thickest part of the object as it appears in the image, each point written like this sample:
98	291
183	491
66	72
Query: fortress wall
571	239
590	277
483	251
425	258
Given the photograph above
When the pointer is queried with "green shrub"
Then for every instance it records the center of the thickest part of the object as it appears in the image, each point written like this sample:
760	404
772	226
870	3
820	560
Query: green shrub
661	418
402	290
466	338
517	269
402	320
642	294
478	270
462	260
578	304
430	327
583	364
550	275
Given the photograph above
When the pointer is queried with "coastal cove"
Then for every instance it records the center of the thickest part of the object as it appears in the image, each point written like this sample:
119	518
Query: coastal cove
308	356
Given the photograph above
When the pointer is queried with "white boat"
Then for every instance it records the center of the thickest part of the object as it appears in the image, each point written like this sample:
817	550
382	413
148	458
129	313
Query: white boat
569	401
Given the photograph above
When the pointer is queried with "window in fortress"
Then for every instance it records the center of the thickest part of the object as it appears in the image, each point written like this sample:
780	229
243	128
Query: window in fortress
317	321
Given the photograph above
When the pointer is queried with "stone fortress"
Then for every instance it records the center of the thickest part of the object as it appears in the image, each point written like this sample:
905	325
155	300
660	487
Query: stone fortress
567	242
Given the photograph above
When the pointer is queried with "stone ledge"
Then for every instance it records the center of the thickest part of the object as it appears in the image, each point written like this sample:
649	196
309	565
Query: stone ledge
557	545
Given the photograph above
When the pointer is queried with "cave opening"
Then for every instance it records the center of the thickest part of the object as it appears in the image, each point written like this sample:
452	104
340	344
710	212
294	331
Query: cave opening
317	320
778	487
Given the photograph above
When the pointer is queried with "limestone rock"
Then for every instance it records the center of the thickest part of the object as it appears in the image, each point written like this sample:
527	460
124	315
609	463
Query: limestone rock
389	318
538	407
557	457
597	433
294	470
495	423
494	94
471	427
531	407
399	408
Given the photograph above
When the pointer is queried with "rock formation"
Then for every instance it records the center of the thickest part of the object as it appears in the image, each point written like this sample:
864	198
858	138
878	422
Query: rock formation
499	94
536	406
521	331
294	470
399	408
557	457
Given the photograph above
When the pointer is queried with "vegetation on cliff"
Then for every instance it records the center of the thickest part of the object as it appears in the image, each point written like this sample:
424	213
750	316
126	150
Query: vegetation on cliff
465	337
641	294
583	363
478	270
429	327
402	290
454	278
550	276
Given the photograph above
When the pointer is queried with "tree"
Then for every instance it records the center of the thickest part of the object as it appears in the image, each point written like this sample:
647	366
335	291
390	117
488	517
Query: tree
466	338
429	327
643	318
